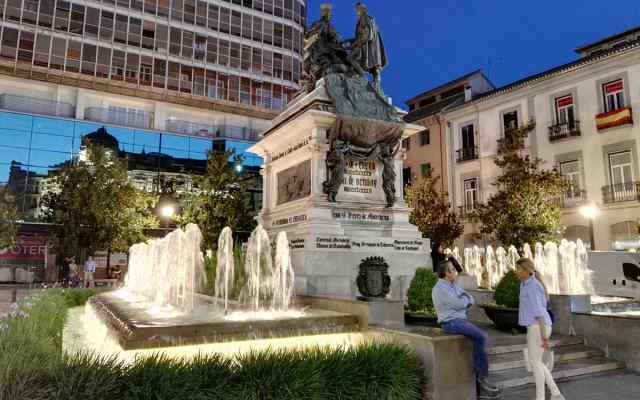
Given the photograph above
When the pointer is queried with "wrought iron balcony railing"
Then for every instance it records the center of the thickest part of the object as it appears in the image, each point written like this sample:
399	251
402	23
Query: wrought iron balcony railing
467	211
129	117
223	131
621	192
32	105
564	130
509	142
572	197
467	153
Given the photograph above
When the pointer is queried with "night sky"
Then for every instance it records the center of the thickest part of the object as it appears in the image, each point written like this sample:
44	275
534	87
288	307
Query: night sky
430	42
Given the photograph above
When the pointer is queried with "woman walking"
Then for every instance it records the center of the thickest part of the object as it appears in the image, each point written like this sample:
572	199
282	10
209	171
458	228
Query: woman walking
534	315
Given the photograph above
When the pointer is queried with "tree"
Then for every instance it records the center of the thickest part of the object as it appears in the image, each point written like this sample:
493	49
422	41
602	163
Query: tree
525	208
431	212
7	219
219	200
95	207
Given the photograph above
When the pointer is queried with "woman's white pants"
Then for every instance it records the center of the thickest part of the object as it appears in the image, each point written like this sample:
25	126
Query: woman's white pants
541	373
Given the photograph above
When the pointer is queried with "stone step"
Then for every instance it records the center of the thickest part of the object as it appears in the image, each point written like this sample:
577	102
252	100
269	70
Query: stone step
516	377
504	361
528	391
519	342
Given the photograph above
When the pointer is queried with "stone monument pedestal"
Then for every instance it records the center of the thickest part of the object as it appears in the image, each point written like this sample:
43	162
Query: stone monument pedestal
329	240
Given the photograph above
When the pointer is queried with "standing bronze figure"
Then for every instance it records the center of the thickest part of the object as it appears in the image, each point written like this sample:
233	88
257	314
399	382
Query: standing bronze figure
324	52
367	48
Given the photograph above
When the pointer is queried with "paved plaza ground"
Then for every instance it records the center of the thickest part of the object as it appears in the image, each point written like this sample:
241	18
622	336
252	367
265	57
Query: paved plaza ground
624	386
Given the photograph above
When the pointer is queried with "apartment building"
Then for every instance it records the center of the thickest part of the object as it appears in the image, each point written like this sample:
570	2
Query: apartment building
425	151
586	125
168	79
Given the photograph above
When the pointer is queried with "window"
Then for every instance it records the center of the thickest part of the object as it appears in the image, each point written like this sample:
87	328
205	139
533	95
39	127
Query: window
406	144
620	168
510	121
571	171
406	176
613	95
468	139
425	169
621	175
565	114
624	235
470	194
425	137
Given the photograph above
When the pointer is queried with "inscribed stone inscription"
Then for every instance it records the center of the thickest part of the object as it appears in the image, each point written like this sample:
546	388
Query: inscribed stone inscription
345	243
362	216
362	181
294	183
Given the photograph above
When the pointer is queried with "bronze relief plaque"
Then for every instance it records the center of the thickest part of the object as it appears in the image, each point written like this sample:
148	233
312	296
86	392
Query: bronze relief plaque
294	183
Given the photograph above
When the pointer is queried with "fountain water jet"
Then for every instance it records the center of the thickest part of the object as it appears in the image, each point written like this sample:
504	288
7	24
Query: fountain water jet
564	268
225	268
167	271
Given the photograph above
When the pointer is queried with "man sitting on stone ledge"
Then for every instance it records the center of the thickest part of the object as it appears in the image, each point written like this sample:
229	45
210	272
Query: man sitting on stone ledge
451	303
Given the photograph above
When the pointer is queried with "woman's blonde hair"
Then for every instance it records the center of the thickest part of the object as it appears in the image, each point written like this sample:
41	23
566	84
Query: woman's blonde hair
528	265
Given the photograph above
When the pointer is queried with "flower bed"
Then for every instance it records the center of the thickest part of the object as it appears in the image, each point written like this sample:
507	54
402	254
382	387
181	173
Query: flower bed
33	367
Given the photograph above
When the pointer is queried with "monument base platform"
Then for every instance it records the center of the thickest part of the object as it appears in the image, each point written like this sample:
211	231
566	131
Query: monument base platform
329	239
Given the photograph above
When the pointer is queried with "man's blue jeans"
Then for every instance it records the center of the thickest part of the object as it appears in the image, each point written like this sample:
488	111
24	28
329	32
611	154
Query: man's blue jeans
479	339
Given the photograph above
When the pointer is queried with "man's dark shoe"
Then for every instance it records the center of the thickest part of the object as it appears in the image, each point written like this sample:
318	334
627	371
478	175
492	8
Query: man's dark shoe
487	387
486	396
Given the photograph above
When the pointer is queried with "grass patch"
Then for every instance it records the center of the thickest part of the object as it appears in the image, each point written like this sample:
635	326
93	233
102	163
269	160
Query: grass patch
33	367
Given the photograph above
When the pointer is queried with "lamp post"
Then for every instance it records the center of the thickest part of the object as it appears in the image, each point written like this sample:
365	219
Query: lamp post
590	212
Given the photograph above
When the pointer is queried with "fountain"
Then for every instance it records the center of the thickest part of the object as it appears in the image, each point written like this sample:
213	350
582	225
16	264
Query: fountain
564	267
159	306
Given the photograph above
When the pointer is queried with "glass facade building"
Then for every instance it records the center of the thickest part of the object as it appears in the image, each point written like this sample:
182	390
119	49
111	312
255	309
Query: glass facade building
32	147
240	51
168	79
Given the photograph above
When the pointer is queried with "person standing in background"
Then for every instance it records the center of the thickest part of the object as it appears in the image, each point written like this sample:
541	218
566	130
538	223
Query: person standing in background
89	270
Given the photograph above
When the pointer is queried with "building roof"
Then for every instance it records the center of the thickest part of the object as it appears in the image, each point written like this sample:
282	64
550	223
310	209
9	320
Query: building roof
555	71
589	46
446	85
431	109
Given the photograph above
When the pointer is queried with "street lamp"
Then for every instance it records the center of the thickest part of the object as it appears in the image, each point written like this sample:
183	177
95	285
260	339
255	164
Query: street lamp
168	211
166	208
590	212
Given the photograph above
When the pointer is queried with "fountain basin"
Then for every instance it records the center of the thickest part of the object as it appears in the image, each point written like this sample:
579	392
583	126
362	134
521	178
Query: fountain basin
136	325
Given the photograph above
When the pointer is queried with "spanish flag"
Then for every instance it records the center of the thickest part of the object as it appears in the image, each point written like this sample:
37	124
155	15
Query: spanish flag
614	118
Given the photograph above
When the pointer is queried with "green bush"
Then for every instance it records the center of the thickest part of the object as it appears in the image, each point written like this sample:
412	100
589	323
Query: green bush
33	367
419	294
507	292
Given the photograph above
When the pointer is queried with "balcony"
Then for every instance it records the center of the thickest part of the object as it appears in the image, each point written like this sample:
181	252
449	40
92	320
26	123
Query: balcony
222	131
571	198
621	192
564	130
127	117
467	153
467	211
32	105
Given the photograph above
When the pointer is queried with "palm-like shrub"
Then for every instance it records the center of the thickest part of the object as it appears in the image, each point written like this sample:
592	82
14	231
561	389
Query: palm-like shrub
507	292
419	294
